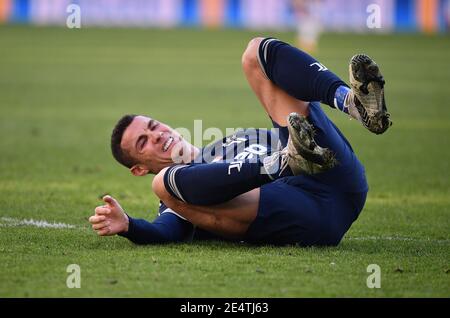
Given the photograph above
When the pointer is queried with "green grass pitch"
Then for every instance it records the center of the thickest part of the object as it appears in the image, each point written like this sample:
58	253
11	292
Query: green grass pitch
61	92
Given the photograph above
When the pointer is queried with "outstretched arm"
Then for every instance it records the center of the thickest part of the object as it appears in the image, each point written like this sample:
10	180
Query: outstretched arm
110	219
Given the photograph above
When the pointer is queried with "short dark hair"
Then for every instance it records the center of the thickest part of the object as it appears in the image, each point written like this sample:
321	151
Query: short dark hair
116	138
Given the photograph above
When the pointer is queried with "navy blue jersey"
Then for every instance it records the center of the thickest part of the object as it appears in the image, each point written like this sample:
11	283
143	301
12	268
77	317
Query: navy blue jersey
249	145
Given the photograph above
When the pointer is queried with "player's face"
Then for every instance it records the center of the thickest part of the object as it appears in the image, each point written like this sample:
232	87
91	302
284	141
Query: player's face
150	143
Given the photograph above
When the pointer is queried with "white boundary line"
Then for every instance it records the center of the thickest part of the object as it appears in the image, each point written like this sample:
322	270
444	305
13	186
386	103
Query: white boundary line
394	238
12	222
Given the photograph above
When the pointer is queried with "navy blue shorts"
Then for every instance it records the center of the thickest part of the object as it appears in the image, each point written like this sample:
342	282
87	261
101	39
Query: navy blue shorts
317	209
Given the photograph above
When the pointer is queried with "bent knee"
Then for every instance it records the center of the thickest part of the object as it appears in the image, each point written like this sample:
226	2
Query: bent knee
158	186
249	57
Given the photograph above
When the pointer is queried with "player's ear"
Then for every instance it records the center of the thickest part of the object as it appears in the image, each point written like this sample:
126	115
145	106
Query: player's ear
139	170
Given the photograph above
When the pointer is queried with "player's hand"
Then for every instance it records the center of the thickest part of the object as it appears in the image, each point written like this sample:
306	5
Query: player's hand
109	219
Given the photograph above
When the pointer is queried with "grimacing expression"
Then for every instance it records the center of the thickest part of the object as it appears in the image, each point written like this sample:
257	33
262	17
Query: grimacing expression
150	143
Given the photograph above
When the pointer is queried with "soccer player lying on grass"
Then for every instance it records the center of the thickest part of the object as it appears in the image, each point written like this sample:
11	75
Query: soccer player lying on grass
307	192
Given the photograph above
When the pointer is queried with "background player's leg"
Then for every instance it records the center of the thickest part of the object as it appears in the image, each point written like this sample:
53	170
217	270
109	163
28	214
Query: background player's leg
230	219
277	103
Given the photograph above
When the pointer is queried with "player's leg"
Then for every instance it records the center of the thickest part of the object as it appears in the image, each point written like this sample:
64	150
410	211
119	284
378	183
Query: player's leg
293	210
230	219
286	79
207	184
277	103
304	78
282	212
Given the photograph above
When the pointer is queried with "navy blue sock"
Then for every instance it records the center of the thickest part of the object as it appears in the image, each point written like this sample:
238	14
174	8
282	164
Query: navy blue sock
298	73
206	184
